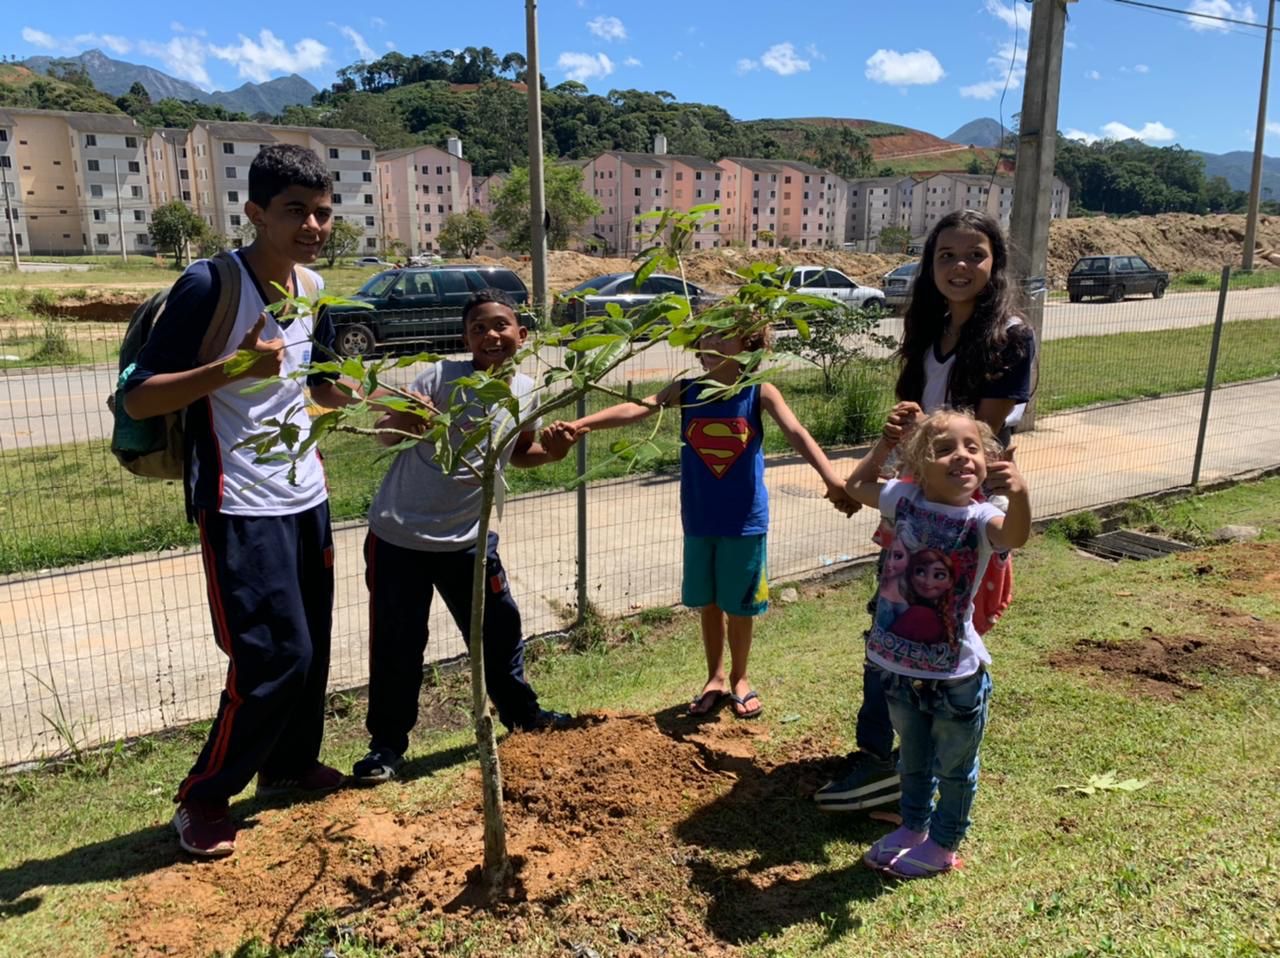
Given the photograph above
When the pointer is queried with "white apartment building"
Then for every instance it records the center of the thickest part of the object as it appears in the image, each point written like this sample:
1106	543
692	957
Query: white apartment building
14	231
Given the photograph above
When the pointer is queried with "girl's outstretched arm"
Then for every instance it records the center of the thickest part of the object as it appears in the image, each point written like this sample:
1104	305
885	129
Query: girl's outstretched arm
864	483
625	413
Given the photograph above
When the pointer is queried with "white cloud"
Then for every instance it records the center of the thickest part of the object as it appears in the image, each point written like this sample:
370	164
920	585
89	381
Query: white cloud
814	52
1218	8
38	38
113	43
746	65
363	49
377	23
1093	75
1081	135
631	62
1272	127
257	60
1008	65
986	90
391	44
1151	132
781	59
1142	68
607	28
182	57
584	66
917	68
1014	15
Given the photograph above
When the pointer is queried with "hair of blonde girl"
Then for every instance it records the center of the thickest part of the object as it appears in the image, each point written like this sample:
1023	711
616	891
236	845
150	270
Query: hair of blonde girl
917	450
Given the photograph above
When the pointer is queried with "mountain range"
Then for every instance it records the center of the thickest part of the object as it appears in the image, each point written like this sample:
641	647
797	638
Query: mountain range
115	77
1236	167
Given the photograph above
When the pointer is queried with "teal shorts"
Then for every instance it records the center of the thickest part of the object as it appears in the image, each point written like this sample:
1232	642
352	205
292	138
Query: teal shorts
727	571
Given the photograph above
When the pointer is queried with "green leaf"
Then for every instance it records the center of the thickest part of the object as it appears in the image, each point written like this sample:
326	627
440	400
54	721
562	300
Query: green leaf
593	342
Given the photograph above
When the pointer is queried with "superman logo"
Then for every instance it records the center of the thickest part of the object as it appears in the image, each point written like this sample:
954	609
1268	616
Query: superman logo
719	442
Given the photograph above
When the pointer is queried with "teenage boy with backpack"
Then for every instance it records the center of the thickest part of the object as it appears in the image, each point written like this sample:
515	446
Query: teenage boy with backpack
266	540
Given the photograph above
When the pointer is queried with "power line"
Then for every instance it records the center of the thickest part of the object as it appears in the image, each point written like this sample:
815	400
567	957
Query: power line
1190	15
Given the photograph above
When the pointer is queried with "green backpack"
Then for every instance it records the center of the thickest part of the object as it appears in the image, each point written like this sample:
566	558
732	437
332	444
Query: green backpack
153	448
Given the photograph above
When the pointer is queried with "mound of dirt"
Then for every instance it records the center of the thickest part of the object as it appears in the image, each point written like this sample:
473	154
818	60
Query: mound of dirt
601	799
1238	643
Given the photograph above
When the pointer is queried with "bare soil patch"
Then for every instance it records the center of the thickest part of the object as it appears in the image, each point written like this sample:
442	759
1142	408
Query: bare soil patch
622	798
1238	643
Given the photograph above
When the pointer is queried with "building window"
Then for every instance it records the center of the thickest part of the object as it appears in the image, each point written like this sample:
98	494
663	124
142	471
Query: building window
371	242
235	219
680	176
333	153
366	177
337	199
95	189
99	216
229	172
143	240
364	154
337	175
368	199
139	216
90	140
368	221
91	166
439	170
102	239
135	166
135	192
186	196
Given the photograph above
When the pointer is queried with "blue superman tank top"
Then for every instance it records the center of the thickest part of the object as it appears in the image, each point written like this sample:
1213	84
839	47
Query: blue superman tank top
722	491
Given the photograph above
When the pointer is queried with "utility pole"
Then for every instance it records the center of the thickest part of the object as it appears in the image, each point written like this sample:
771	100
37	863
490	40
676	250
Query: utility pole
537	189
1255	182
124	253
1037	143
8	215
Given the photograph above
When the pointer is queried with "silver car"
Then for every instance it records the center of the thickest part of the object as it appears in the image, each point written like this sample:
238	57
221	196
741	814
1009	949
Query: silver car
898	283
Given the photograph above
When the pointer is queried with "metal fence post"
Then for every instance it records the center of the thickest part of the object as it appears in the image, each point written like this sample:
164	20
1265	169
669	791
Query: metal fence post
1211	374
582	516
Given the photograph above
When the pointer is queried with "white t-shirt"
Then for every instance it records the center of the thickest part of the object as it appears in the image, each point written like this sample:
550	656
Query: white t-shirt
937	376
419	505
923	624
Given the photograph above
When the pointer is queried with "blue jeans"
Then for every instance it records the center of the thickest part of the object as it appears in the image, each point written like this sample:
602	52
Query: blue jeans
940	724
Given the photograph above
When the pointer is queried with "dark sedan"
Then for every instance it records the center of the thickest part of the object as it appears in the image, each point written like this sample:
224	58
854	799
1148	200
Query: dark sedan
620	288
1115	277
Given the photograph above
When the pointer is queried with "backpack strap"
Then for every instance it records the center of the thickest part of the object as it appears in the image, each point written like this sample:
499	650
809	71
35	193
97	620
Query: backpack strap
306	282
227	269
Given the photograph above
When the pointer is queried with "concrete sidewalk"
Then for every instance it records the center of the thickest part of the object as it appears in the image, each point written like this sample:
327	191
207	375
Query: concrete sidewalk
124	647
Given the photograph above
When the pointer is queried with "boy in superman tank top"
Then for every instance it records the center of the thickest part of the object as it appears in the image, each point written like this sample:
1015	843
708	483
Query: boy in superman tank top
724	504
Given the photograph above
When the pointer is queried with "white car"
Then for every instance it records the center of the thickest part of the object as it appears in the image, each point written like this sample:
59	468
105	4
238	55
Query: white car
372	261
830	283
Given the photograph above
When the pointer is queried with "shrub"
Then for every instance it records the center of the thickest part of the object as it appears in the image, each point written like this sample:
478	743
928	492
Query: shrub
1076	527
53	347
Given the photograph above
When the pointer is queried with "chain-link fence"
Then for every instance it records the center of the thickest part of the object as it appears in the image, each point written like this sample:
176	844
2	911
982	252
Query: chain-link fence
104	628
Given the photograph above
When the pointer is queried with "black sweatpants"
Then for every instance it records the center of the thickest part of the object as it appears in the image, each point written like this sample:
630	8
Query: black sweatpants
270	585
401	583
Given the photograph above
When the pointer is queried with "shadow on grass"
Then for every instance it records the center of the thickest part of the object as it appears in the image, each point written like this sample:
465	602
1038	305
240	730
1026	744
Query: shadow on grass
766	862
151	849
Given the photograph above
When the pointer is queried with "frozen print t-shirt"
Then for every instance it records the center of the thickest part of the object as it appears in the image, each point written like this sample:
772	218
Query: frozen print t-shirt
924	608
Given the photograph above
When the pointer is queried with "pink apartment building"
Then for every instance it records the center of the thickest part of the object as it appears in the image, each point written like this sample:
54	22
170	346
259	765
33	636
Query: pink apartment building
419	188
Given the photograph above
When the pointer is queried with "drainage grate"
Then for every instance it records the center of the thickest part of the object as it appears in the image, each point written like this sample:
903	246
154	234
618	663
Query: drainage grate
1127	544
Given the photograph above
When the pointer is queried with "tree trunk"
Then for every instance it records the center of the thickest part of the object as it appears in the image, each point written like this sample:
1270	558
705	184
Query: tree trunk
495	830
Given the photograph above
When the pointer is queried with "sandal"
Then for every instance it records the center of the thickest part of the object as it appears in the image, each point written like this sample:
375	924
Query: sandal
919	867
707	702
740	702
881	856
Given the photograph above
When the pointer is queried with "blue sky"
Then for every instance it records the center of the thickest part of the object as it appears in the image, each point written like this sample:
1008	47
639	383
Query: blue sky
929	64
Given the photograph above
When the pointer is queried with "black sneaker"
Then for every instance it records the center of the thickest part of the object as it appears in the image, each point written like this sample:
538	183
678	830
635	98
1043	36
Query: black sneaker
377	767
545	719
870	782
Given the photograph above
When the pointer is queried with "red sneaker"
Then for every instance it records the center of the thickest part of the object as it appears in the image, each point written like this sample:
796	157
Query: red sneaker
204	829
317	780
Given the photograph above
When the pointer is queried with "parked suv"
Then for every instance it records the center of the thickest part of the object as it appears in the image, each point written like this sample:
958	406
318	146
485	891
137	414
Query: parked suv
417	306
620	288
1114	277
832	284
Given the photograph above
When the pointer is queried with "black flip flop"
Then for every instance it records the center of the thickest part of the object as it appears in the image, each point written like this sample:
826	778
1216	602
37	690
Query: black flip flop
715	703
742	702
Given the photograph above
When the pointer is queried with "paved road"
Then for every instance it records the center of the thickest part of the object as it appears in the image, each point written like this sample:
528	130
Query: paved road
41	407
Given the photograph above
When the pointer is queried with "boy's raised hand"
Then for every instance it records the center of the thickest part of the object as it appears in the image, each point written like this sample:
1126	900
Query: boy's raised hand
902	419
558	438
270	352
406	420
1003	477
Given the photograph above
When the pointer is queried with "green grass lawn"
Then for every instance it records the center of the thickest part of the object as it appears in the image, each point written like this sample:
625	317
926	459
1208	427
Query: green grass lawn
60	505
1188	864
1200	281
147	273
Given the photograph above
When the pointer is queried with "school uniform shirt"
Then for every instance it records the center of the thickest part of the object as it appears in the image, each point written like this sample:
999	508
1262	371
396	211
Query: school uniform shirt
722	490
923	624
419	505
1015	384
219	476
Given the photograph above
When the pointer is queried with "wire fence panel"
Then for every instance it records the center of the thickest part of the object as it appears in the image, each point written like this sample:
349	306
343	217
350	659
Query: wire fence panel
104	625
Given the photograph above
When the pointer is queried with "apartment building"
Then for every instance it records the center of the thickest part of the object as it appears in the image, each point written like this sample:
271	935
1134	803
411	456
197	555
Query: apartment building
220	153
876	203
14	232
168	169
626	185
81	179
419	187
